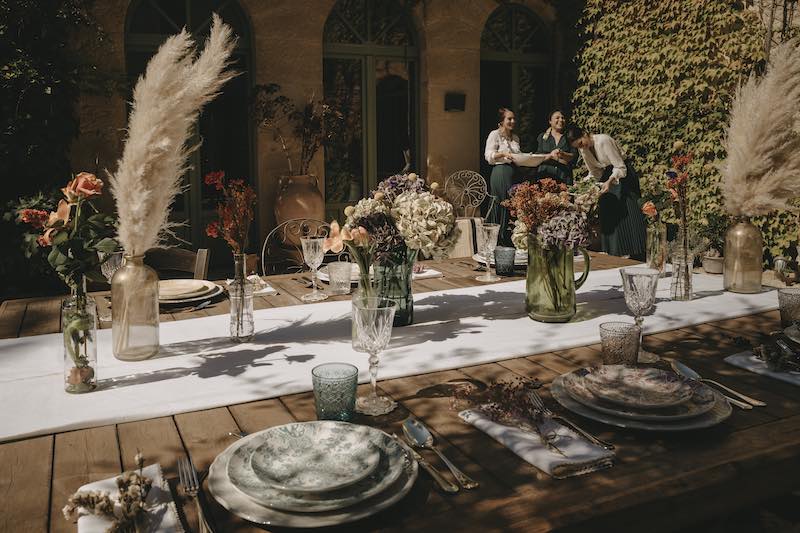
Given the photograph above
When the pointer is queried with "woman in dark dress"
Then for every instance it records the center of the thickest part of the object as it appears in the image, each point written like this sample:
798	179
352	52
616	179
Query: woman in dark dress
622	224
562	156
500	144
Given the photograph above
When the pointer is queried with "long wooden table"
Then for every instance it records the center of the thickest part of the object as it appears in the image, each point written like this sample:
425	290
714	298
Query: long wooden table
659	483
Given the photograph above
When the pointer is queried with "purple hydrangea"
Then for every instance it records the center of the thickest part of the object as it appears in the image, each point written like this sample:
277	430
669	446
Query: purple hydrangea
394	186
567	229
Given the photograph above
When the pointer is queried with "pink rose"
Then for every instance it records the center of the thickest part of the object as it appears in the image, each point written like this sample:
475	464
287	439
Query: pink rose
61	214
83	186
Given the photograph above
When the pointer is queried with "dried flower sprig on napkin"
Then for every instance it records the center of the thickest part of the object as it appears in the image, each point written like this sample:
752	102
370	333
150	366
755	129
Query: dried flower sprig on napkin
125	509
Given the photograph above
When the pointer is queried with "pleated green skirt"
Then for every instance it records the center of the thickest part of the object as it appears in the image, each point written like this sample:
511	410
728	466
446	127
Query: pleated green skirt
622	225
501	180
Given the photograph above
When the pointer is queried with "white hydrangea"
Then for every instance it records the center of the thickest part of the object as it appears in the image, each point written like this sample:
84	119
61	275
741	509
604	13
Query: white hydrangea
365	207
427	223
519	235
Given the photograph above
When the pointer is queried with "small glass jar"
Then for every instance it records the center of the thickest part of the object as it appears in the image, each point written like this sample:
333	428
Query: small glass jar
680	288
79	327
240	291
134	310
657	246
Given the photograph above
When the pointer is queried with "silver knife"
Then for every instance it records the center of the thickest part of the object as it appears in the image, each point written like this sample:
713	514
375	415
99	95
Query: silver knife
445	485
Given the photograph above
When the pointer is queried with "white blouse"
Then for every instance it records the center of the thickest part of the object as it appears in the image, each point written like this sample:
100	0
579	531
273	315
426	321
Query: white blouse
608	154
497	143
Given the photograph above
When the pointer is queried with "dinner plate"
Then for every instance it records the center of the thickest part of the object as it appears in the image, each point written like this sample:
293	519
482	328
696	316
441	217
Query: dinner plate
793	332
239	504
520	258
355	273
637	387
718	413
240	473
315	456
207	296
701	402
176	289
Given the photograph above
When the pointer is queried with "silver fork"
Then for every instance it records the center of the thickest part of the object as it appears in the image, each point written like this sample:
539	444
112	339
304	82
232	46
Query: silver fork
537	402
191	486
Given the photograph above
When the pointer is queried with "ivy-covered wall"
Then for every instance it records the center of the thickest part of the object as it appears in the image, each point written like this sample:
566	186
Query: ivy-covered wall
653	73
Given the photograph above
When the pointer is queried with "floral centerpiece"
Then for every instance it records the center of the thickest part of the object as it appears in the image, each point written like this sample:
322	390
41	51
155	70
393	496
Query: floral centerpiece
683	260
74	233
555	220
400	221
236	212
654	207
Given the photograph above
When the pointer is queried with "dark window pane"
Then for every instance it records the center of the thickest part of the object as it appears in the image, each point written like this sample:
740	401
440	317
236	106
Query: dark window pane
147	19
394	107
496	35
390	26
347	22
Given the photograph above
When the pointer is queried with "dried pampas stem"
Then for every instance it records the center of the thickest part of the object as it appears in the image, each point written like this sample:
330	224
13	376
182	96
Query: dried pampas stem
166	104
762	171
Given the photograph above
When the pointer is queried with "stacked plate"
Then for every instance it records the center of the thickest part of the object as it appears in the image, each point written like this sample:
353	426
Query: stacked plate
355	273
311	474
520	258
182	291
640	398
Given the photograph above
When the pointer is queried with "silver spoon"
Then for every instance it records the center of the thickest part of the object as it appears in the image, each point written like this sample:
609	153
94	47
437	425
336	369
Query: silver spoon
419	434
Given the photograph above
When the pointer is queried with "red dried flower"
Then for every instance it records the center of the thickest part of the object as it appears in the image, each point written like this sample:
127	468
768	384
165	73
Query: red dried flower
35	217
235	211
212	230
215	179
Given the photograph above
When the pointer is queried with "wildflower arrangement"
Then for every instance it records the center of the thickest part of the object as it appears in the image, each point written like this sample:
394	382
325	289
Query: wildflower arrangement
558	215
678	187
235	211
126	509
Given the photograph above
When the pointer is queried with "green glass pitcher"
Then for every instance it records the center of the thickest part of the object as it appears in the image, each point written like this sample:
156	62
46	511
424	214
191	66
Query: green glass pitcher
551	284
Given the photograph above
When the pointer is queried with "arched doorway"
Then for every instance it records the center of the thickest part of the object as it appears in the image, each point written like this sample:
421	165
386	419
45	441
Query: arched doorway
370	66
223	129
516	72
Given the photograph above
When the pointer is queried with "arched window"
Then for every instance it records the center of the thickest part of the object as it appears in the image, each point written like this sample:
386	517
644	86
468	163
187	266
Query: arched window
223	128
516	71
370	75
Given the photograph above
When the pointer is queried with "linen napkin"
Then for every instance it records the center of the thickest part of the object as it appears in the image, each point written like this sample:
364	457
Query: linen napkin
262	287
428	273
580	456
162	516
750	362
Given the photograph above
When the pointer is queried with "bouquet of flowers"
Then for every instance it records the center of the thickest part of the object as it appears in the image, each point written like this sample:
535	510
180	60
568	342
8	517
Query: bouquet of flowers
235	211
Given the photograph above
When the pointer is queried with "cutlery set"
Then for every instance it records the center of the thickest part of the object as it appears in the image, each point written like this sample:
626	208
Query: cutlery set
741	401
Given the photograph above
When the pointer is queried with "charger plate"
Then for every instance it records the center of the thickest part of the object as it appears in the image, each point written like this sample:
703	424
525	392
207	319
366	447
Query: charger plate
207	296
719	413
176	289
636	387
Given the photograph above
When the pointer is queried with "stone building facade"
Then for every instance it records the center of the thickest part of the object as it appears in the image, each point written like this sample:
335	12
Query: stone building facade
287	42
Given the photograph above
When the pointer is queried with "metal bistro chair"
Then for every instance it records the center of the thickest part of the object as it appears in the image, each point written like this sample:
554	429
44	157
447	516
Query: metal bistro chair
282	252
466	190
176	262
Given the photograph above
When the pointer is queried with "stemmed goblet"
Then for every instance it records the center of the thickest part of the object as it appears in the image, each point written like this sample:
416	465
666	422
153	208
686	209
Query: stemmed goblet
111	262
490	234
313	253
639	284
373	317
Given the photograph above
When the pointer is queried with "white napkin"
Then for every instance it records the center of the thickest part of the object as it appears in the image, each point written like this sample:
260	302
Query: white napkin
580	456
162	516
262	287
428	273
750	362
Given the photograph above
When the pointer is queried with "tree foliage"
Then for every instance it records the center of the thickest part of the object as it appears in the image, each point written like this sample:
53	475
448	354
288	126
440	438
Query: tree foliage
653	73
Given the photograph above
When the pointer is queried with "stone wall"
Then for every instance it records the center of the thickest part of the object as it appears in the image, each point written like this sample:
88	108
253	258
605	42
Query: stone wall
287	50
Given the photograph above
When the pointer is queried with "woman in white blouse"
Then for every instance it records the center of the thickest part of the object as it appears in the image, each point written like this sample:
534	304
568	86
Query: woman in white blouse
622	225
500	144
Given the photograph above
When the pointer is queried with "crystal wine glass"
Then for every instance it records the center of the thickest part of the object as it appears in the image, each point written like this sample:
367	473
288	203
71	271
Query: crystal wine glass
313	253
490	234
108	267
639	284
373	317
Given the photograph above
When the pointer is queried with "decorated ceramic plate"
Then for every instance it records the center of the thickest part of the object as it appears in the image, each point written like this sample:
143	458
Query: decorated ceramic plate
355	273
637	387
176	289
793	332
718	413
207	296
701	402
315	456
240	474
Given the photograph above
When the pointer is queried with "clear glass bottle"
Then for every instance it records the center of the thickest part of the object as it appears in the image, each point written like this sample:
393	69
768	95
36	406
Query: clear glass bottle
744	256
79	327
134	310
241	296
657	246
680	288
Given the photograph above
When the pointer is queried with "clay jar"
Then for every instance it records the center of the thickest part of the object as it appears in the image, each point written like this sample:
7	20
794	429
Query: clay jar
299	197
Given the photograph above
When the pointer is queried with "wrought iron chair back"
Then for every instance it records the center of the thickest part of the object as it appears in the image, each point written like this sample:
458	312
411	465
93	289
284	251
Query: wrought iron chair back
282	252
466	190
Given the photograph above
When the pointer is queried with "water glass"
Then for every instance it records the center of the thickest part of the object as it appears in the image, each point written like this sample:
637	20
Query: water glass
340	277
335	390
789	305
372	320
504	260
620	343
490	234
313	253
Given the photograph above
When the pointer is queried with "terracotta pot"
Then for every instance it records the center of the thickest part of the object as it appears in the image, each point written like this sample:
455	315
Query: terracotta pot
712	265
299	197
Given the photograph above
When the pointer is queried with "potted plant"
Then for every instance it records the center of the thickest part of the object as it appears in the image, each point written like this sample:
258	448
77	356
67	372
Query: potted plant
712	229
300	131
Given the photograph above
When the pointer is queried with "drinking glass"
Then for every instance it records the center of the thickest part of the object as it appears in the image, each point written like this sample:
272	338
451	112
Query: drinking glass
620	343
110	264
372	317
639	284
340	277
789	305
504	257
335	387
490	233
313	253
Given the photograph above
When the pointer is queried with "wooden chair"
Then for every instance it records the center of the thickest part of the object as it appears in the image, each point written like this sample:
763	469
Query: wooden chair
282	252
171	261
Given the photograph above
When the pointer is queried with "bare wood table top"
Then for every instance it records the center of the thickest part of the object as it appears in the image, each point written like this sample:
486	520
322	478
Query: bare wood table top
659	483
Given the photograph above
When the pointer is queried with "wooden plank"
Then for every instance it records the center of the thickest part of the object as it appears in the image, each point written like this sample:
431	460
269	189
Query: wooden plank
42	317
25	474
80	457
11	315
255	416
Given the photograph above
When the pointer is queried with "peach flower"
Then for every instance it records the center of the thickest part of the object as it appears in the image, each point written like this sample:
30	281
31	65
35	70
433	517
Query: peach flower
83	185
334	242
649	209
61	214
46	239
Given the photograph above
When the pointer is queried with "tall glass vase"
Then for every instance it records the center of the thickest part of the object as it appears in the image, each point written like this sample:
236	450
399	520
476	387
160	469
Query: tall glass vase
657	246
134	310
79	326
550	285
393	281
744	253
240	291
680	288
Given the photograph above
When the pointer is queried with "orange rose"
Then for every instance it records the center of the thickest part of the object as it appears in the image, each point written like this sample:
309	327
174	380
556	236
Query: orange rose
649	209
61	214
83	186
46	239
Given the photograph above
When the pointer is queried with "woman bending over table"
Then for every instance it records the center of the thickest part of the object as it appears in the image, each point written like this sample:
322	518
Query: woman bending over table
622	225
500	144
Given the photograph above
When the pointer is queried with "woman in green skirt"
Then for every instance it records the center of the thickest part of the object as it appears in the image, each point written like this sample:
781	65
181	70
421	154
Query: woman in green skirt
500	144
622	224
